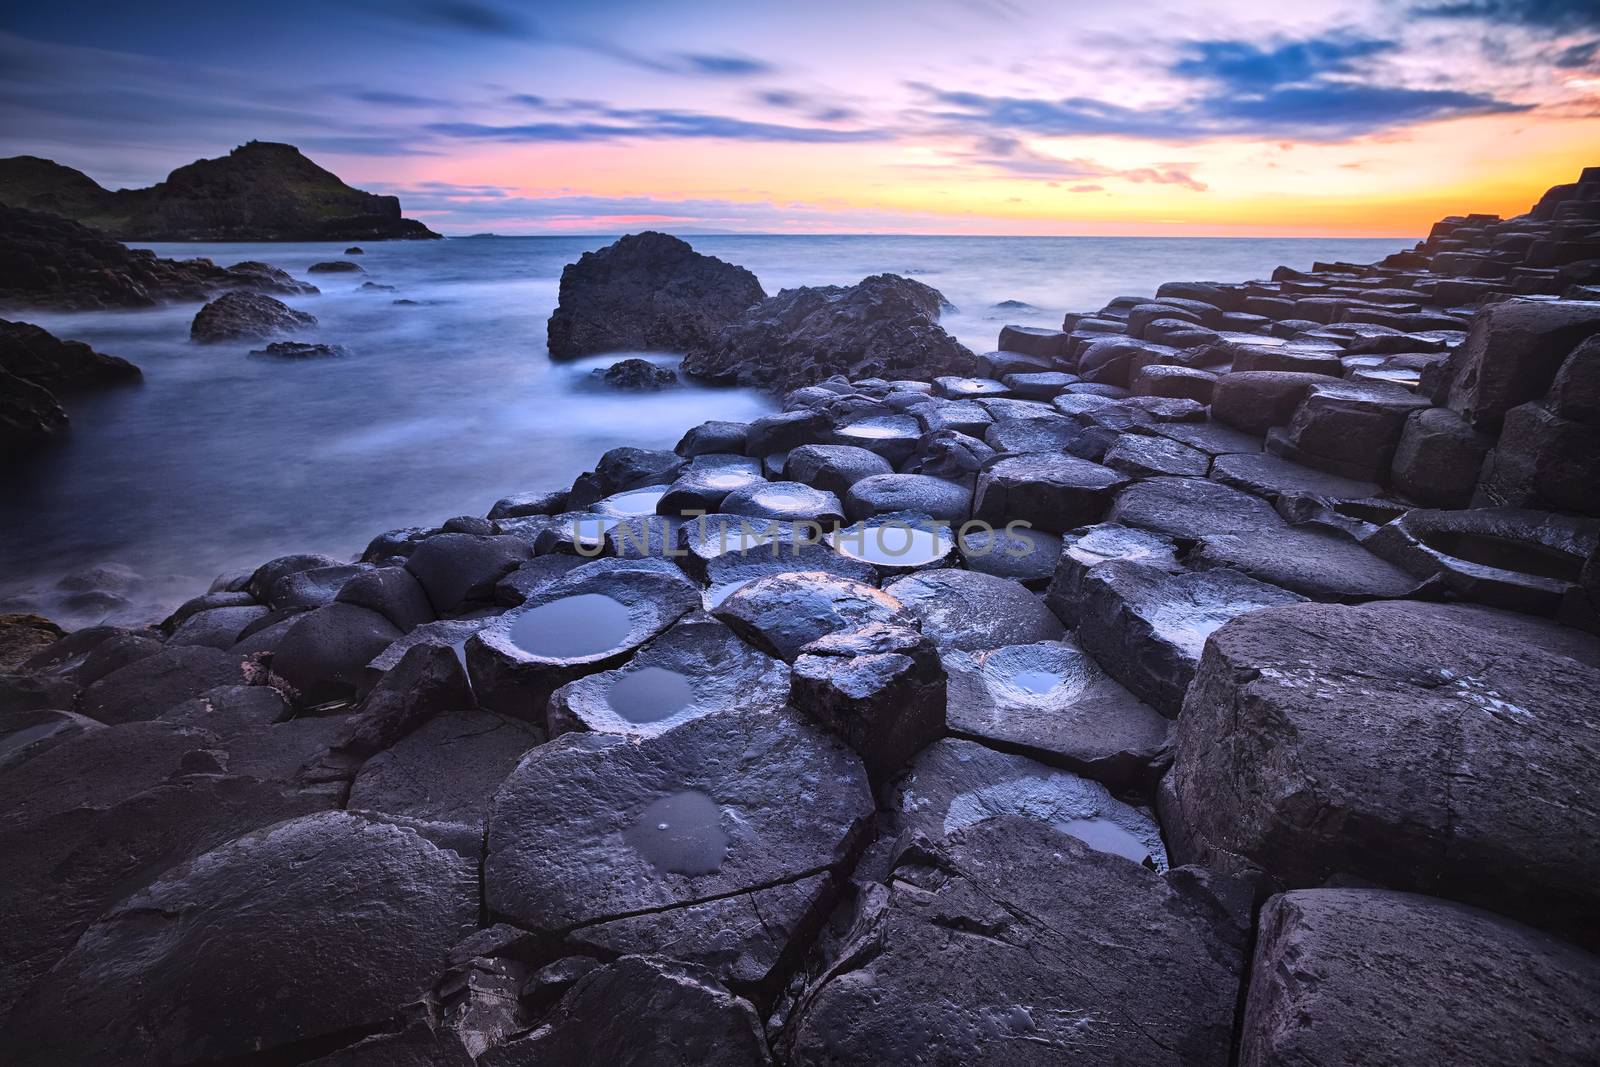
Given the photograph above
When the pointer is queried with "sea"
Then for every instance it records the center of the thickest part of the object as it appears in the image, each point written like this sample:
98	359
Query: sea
219	461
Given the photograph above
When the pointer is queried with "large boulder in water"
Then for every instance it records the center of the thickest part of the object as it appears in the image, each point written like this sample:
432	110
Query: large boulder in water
646	292
242	316
885	326
32	353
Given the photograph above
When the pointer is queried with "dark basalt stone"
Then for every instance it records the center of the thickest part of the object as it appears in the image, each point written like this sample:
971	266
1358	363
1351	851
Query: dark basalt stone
1256	401
1316	563
971	611
1362	975
156	680
714	436
30	415
782	613
739	566
294	350
833	468
246	316
95	813
885	326
1542	460
1212	438
1008	943
698	667
1267	475
955	783
576	836
445	771
1049	492
703	490
33	354
1146	456
322	656
785	431
894	437
962	416
224	937
392	592
457	570
650	292
311	588
948	454
1506	557
1191	508
1511	356
216	627
957	387
1050	701
884	494
1147	626
1349	428
790	502
588	621
621	469
1098	544
424	680
1319	739
641	1011
880	688
1437	460
1014	552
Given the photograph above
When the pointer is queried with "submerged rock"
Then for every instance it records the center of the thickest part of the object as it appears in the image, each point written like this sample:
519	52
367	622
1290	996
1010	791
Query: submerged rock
646	292
636	376
883	327
300	350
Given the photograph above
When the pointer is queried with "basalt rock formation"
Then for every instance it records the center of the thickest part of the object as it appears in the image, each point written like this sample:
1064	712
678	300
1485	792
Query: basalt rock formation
646	292
51	262
1293	760
34	366
883	327
261	191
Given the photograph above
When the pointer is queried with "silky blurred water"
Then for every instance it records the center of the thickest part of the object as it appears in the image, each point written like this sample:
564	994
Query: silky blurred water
219	461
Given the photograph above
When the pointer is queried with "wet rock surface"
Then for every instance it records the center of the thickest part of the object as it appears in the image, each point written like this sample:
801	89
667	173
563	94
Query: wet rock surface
1241	505
646	292
1051	701
1005	944
1367	976
1419	746
245	316
972	611
698	667
594	827
884	326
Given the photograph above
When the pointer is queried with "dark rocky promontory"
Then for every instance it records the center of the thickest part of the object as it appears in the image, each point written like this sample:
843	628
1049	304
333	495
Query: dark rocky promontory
51	262
646	292
1276	744
35	366
261	191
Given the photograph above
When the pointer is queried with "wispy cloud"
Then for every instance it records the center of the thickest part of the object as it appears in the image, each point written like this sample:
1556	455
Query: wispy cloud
630	124
1541	14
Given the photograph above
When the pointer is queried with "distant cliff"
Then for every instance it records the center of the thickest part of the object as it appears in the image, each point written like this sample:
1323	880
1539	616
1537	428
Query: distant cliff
260	191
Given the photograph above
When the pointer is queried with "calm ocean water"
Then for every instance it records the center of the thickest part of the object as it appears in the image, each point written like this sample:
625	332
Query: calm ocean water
218	461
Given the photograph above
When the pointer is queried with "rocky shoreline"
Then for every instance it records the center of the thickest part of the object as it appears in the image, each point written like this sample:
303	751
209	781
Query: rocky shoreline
1214	680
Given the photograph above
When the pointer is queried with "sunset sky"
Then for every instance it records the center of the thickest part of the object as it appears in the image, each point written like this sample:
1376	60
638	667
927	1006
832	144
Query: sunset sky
986	116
